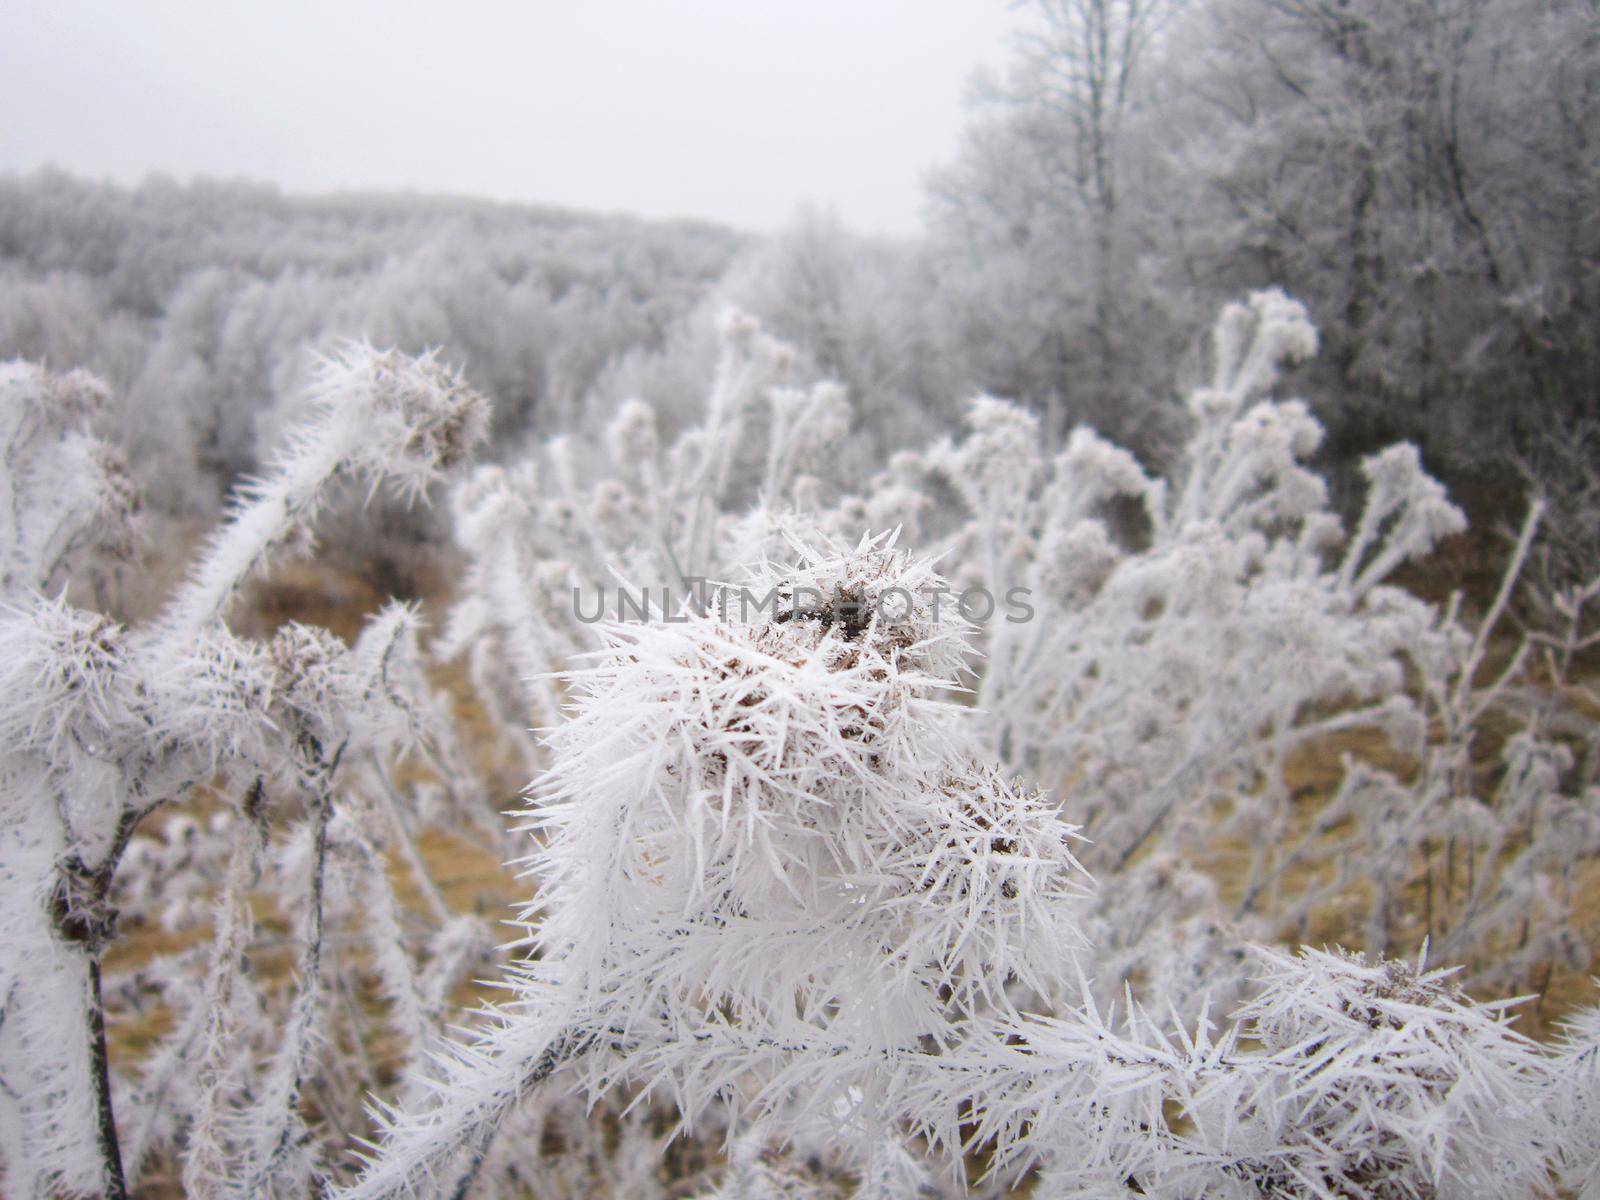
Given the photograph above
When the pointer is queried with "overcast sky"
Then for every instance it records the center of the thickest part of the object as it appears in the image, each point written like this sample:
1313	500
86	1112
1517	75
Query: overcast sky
736	110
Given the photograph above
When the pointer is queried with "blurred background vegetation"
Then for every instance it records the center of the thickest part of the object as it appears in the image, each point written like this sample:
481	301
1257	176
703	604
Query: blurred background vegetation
1423	174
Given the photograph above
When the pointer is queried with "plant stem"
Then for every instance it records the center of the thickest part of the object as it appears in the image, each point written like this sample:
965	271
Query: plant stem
100	1067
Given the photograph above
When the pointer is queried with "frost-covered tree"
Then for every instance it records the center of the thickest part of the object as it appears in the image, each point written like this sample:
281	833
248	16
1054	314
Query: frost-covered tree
1050	228
1413	172
1418	172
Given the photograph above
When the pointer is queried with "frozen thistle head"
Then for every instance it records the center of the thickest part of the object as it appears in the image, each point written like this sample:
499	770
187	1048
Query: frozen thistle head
1399	485
806	423
632	437
1252	343
493	502
737	327
781	810
745	340
999	457
307	666
60	678
875	599
68	400
422	416
1074	563
69	493
1092	470
985	881
331	699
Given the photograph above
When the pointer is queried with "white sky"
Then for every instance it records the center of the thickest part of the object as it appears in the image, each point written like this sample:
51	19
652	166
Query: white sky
735	111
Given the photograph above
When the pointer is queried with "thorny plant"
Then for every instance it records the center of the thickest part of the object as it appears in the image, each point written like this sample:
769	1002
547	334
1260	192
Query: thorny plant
787	884
285	749
782	882
1197	639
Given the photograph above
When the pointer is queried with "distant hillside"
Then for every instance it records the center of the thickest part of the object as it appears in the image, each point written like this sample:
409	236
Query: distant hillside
194	301
143	240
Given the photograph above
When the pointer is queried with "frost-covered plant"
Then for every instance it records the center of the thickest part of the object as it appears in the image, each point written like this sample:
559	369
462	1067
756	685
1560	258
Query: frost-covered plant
104	725
1192	647
1572	1105
1192	642
66	493
1229	580
1187	643
1342	1077
1373	1078
772	865
778	878
788	888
